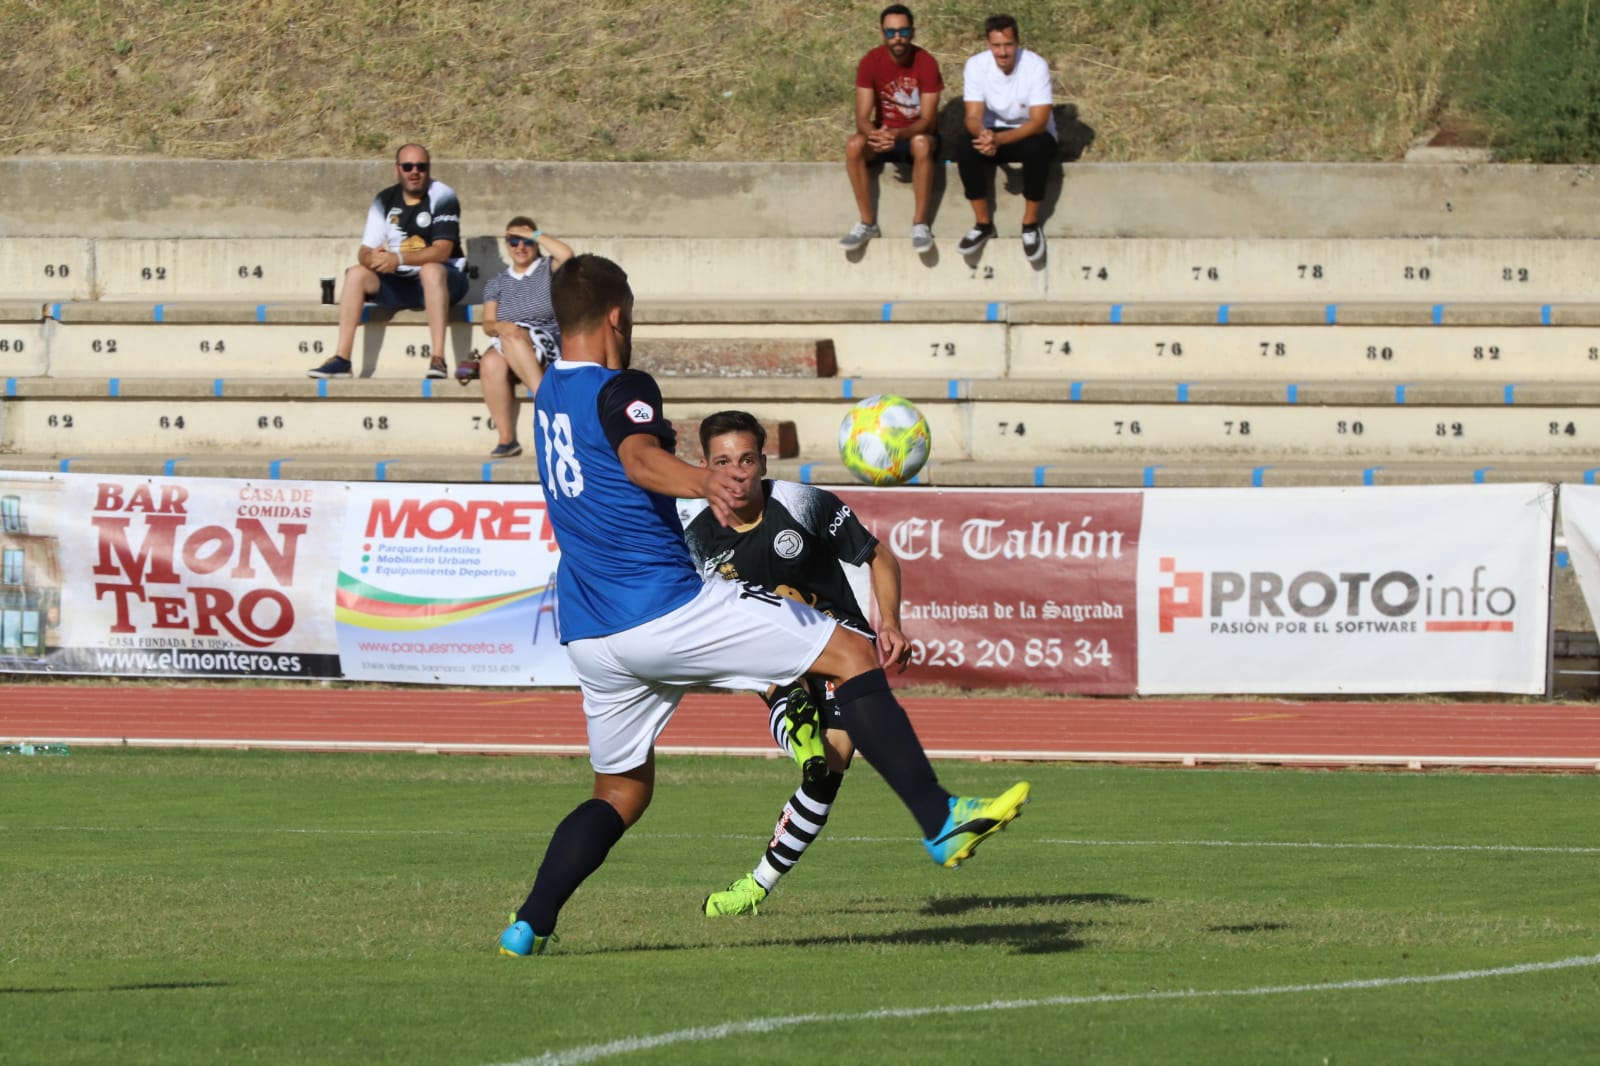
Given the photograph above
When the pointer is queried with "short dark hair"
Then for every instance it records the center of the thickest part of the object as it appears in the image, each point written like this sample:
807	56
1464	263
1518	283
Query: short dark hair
897	9
585	290
1000	23
522	221
412	144
713	426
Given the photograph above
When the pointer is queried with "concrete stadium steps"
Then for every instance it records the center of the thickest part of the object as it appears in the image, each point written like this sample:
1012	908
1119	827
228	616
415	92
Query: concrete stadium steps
1004	421
1284	342
1424	269
1108	472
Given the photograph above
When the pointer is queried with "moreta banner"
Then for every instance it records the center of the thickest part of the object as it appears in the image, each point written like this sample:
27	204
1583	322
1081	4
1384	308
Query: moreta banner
1436	588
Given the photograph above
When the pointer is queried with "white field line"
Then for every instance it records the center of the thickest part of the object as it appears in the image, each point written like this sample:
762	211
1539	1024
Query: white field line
642	835
704	1034
1182	758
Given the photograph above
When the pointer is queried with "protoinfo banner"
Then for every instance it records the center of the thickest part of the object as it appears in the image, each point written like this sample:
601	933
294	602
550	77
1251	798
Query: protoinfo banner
1405	589
1006	588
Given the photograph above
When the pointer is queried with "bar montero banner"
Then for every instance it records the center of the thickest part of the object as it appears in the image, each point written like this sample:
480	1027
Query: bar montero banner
1439	588
136	576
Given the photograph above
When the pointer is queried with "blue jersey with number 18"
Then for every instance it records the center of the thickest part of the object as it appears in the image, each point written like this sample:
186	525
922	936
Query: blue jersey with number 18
623	559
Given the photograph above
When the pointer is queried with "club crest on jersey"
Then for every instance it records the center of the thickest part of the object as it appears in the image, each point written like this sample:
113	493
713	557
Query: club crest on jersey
423	219
639	411
787	544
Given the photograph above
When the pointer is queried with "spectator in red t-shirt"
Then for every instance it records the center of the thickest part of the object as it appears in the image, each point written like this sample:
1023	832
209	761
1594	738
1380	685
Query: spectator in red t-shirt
897	112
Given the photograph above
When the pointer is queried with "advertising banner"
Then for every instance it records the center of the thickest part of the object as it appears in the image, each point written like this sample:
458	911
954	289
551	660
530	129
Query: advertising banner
1580	524
1014	587
1406	589
181	577
452	584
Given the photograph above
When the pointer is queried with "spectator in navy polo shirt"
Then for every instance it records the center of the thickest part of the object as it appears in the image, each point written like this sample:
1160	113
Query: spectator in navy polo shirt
410	257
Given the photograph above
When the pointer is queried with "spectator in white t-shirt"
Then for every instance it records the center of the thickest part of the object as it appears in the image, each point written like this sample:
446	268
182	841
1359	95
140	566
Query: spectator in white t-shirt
1008	120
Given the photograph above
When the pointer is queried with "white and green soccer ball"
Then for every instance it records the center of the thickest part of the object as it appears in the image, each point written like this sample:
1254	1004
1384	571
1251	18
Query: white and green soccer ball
884	440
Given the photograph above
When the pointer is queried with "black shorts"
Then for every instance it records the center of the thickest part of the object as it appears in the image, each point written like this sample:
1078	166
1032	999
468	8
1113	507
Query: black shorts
900	154
404	291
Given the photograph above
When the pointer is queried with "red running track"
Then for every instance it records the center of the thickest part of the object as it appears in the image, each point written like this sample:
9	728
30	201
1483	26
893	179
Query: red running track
1412	734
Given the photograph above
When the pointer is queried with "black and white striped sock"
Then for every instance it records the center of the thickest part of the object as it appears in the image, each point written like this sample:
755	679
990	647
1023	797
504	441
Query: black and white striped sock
802	820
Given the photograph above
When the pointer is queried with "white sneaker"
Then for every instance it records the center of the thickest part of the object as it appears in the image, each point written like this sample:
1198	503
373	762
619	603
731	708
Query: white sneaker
921	237
1033	242
859	234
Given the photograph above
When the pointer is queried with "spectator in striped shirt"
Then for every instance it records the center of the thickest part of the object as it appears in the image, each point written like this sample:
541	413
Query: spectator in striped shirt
521	323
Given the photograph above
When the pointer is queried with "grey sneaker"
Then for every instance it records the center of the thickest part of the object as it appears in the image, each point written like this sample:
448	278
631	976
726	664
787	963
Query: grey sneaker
859	234
1033	242
921	237
976	238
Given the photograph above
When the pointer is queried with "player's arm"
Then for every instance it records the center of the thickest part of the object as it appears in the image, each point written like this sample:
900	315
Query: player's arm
651	467
631	414
491	323
893	647
1038	122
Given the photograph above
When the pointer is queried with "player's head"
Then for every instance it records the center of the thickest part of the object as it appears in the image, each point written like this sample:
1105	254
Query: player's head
1004	39
411	165
898	27
522	240
737	439
725	422
590	294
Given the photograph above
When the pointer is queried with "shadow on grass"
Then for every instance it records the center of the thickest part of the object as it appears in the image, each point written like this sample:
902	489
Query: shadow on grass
1024	938
155	986
1253	927
943	905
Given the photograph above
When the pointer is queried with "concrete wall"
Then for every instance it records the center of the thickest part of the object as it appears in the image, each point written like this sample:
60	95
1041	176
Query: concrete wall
67	197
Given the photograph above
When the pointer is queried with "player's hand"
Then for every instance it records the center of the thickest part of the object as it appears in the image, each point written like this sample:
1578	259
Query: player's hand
893	648
881	140
984	143
724	490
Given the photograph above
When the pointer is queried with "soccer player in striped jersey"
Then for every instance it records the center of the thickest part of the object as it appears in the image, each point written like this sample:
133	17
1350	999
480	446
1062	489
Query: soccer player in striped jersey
640	626
796	540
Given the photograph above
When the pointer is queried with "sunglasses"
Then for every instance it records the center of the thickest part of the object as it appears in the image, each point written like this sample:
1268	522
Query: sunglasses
519	242
409	167
898	31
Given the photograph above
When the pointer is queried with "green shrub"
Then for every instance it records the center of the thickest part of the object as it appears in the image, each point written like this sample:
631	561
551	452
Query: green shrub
1532	79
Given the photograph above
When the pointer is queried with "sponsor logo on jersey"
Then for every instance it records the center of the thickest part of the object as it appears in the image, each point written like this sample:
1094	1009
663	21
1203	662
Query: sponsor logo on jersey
787	544
641	412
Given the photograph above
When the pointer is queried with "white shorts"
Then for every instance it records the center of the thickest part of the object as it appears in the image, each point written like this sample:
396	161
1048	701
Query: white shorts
730	635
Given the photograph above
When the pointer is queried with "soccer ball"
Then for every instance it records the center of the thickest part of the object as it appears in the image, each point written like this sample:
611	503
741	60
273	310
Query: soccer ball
884	440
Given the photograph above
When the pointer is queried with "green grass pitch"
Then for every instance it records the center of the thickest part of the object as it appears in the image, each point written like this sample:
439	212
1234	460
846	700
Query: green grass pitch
239	907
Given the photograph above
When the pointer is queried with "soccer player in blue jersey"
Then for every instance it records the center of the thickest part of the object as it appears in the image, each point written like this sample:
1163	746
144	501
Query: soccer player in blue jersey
641	627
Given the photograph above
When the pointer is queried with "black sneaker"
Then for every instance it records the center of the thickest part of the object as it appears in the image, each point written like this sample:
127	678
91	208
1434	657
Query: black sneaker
506	451
976	238
438	368
336	367
1033	242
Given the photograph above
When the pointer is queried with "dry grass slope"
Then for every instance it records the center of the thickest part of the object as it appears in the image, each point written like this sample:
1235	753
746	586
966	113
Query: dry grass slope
1313	80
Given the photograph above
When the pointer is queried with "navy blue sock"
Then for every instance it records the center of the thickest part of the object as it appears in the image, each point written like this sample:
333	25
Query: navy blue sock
580	844
883	734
